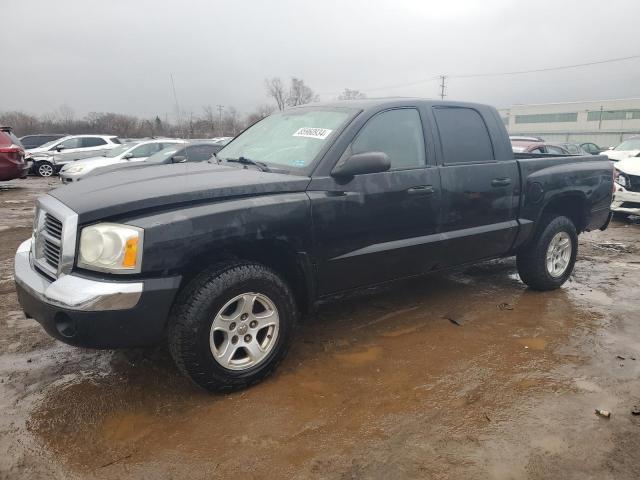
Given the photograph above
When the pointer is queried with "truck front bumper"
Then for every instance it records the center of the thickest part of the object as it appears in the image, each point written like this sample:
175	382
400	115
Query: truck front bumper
95	313
625	201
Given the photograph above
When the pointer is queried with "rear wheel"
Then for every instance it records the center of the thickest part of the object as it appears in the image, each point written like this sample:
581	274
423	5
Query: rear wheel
232	325
548	260
44	169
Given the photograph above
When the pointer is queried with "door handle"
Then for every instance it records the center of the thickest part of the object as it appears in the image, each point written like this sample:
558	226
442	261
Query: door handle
421	190
501	182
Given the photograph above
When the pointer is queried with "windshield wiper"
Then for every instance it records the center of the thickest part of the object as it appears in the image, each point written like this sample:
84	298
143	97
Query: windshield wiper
247	161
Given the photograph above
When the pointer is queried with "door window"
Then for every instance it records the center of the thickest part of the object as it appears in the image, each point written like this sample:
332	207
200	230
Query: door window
464	135
93	142
537	150
146	150
555	150
72	143
398	133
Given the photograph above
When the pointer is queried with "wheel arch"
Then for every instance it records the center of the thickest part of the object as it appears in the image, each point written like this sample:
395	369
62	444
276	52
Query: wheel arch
572	205
294	267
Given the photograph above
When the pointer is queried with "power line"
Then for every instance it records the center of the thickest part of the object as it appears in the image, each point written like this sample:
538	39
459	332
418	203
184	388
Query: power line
547	69
493	74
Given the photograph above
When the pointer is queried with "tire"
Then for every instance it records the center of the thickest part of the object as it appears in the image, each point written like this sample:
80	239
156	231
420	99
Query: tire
199	347
540	271
44	169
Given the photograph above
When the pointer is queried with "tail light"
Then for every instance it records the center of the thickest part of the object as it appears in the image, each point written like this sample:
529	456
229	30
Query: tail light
14	153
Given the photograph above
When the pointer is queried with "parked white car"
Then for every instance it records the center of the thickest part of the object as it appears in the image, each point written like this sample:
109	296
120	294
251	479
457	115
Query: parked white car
128	152
626	198
50	157
629	148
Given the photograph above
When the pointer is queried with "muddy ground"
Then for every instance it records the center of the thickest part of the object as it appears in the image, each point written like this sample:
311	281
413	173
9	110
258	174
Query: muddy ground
461	375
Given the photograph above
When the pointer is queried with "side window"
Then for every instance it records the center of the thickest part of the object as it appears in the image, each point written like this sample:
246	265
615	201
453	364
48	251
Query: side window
93	142
464	135
200	153
72	143
554	150
573	149
144	150
537	150
398	133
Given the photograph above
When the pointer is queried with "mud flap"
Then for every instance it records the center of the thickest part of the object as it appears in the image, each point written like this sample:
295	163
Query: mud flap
606	224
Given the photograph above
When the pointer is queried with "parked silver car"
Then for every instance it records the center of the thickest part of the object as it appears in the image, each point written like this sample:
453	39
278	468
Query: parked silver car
50	157
129	152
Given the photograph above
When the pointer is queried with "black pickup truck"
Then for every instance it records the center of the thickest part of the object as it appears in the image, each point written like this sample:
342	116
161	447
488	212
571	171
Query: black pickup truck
221	258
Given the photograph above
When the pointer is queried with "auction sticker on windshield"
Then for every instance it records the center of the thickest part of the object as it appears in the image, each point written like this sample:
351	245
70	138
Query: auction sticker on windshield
309	132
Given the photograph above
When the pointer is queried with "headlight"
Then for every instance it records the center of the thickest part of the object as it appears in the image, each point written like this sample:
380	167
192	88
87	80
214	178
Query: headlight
109	247
619	178
76	169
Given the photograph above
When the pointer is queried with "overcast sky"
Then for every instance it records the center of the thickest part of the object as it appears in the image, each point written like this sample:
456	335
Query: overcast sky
117	56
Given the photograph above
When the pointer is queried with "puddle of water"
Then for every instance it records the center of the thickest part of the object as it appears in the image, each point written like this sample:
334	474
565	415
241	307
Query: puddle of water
536	343
359	358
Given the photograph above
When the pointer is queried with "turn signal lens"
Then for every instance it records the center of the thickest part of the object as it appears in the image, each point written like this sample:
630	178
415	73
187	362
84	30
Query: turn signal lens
130	253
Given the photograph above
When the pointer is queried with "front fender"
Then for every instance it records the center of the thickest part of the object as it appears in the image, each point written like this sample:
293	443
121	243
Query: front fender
176	238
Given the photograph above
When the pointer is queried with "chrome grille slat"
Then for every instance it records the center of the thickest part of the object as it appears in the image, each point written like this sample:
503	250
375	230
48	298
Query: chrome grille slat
53	226
54	237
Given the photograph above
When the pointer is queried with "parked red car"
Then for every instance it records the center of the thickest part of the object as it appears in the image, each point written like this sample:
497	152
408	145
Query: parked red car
12	162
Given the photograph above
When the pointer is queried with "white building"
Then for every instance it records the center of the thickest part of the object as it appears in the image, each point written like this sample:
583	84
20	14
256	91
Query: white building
604	122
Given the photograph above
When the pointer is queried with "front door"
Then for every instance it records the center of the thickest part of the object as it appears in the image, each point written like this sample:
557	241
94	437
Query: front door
380	226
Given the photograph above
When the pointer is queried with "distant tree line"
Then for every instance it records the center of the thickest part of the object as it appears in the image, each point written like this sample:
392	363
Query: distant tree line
211	122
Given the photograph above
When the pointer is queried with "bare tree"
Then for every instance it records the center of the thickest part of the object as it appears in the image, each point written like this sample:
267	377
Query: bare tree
299	93
261	112
276	90
209	116
349	94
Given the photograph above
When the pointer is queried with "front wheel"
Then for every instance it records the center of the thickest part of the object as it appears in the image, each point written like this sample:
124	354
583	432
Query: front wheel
44	169
232	325
547	262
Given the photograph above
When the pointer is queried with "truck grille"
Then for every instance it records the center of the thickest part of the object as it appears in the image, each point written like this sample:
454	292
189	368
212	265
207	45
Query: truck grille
54	234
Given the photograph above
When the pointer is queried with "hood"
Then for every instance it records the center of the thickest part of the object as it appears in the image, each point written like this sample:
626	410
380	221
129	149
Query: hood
39	150
91	163
620	154
114	194
630	166
120	166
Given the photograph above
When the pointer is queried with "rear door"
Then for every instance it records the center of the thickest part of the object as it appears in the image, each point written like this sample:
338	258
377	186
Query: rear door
91	147
379	226
479	193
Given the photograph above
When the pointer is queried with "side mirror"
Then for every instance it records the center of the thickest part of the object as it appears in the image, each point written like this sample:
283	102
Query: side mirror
127	156
611	148
361	163
178	159
60	147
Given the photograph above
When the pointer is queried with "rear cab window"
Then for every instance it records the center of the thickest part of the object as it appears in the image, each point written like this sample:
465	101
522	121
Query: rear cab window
464	136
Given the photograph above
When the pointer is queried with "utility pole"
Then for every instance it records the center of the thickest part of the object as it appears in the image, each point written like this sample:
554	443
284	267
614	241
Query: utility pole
443	78
220	109
600	121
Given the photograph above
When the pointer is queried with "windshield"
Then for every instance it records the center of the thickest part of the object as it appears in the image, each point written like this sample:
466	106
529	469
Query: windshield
162	155
291	138
114	152
631	144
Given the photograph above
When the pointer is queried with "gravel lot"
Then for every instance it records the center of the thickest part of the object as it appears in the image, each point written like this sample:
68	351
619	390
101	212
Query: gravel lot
461	375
